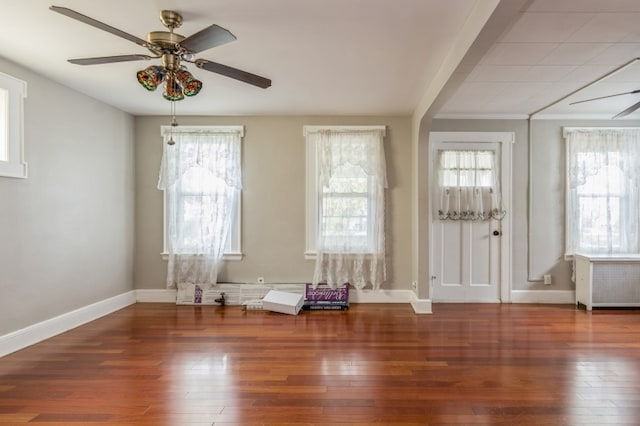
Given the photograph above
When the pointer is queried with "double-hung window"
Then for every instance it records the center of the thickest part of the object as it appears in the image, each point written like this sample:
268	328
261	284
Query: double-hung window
12	94
603	191
345	204
201	177
346	178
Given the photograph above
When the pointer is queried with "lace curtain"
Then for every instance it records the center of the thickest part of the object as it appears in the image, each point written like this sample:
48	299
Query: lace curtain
201	177
603	190
351	172
467	186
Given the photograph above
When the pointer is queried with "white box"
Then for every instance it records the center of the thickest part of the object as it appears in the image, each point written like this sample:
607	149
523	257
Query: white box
283	302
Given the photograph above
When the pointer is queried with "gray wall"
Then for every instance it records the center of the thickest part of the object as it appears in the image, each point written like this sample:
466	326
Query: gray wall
544	252
66	232
273	199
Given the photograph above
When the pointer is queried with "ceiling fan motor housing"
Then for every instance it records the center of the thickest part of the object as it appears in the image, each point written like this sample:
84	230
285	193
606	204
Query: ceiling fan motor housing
164	41
170	19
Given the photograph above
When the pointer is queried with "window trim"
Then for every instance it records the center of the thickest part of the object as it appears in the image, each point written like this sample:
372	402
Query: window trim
311	188
15	165
233	251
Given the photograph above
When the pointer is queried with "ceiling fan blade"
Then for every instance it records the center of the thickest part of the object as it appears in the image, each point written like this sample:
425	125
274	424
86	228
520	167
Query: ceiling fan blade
237	74
109	59
94	23
207	38
605	97
627	111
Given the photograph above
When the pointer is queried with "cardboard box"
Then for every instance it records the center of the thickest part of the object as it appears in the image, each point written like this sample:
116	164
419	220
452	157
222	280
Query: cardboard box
283	302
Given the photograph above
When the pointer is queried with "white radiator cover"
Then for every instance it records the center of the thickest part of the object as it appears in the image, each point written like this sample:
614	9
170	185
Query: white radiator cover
607	281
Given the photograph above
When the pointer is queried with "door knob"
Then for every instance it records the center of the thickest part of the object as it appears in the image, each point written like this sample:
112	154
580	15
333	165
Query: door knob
496	233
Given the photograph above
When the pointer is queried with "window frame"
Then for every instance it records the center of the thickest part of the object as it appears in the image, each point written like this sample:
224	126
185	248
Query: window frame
16	91
312	191
233	249
569	215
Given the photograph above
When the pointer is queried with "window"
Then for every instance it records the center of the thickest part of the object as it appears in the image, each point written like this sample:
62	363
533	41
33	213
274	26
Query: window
12	94
468	186
602	190
466	168
345	209
205	189
346	178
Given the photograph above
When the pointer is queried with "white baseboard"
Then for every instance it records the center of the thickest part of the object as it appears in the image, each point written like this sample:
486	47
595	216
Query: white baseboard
422	306
544	296
43	330
381	296
35	333
166	295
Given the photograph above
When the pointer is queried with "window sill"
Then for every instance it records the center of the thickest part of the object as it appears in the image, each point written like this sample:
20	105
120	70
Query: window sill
312	255
226	256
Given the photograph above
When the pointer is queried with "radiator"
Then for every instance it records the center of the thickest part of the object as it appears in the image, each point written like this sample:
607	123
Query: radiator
607	281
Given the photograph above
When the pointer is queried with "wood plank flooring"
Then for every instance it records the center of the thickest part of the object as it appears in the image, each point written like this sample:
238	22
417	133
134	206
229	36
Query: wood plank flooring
467	364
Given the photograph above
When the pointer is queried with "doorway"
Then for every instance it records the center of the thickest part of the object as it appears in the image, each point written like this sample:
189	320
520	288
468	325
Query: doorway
470	257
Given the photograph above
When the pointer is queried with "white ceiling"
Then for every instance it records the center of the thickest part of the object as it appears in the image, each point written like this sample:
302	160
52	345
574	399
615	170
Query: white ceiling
551	49
345	56
324	57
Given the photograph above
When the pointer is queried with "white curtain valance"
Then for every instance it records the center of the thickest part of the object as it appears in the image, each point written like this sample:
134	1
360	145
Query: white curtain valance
214	148
596	146
337	148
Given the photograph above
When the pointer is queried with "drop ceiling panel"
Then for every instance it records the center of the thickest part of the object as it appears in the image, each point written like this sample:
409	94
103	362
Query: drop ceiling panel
546	27
609	28
518	53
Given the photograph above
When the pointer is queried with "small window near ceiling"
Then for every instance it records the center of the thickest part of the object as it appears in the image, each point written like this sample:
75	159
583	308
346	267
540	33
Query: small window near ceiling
12	94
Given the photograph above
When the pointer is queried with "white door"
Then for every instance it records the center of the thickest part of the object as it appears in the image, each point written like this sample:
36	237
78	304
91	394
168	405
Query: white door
470	260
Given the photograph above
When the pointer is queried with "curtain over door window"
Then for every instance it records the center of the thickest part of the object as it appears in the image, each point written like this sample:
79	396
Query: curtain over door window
468	185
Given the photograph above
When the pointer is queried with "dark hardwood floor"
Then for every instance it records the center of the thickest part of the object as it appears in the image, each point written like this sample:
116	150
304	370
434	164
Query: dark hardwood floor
467	364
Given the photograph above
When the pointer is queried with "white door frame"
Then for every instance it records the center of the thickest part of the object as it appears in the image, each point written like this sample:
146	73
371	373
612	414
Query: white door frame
506	140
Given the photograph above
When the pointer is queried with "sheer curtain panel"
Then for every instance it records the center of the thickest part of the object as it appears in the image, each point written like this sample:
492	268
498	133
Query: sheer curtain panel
351	179
603	165
468	186
201	177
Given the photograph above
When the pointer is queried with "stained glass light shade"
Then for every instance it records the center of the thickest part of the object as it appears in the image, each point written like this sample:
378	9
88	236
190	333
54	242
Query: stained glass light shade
172	90
190	86
151	77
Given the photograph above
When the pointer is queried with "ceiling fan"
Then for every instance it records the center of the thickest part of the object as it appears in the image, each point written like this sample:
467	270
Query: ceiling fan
624	113
172	49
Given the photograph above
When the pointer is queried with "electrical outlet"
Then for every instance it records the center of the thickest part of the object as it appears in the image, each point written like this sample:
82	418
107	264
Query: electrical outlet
260	280
414	285
547	279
